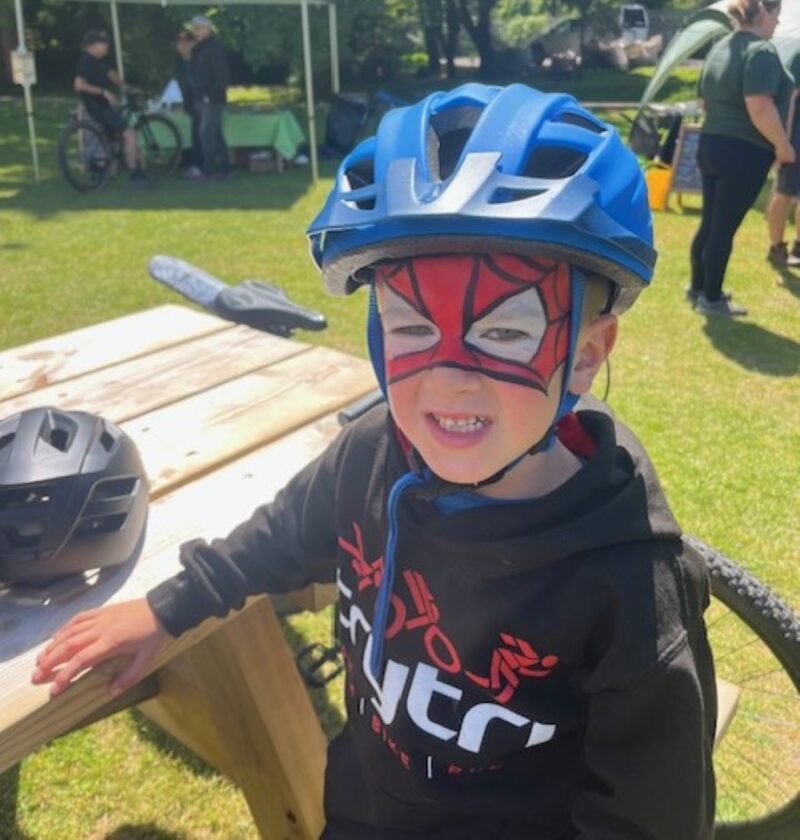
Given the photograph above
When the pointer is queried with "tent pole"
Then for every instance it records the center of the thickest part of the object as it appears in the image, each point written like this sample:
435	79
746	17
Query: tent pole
312	124
333	36
23	49
117	40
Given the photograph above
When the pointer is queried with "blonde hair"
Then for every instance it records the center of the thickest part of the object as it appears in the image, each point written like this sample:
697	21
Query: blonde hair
597	297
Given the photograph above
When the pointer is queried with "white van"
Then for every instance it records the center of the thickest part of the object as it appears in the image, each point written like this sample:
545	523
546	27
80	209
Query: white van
633	23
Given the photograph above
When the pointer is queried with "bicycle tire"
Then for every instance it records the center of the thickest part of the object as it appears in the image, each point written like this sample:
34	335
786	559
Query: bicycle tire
760	655
85	156
159	151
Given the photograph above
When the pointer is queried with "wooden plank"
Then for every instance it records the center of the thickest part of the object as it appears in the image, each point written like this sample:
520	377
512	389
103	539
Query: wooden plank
28	718
257	710
41	363
148	382
191	437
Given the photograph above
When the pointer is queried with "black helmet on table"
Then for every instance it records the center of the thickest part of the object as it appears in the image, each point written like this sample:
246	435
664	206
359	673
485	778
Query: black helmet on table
73	495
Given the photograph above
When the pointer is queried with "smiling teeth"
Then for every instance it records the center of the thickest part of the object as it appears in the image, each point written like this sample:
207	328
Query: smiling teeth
471	424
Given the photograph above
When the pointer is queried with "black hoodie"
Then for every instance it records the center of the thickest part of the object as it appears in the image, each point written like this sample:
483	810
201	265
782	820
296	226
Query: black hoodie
545	671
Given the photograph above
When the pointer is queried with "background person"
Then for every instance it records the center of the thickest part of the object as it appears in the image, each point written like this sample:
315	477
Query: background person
746	92
209	78
93	80
521	621
787	187
192	158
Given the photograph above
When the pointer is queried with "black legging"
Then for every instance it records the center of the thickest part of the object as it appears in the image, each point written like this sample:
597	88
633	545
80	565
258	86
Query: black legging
733	172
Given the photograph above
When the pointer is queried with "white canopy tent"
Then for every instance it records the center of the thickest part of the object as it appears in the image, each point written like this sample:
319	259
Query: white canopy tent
304	22
710	24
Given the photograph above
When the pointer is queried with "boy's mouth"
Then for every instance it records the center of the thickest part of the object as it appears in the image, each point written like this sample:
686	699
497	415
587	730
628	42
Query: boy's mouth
460	425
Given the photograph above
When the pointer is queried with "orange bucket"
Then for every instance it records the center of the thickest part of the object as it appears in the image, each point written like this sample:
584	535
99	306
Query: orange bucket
658	178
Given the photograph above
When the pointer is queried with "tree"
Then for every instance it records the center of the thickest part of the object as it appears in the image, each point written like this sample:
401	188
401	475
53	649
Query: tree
476	15
440	21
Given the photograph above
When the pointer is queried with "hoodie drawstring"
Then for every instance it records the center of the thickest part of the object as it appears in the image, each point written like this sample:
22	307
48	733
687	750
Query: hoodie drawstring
382	602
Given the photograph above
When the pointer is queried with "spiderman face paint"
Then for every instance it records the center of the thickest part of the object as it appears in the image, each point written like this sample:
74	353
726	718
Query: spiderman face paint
504	316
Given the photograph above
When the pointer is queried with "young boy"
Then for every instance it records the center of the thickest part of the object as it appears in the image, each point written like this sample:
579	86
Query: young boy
519	616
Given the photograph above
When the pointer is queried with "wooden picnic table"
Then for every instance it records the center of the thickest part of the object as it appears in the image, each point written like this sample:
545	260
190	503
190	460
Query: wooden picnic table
223	416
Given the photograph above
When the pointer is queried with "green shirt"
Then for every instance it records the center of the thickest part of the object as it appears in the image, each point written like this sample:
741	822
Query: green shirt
740	65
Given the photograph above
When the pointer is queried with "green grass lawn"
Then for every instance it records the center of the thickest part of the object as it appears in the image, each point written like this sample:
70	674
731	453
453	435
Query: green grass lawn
717	404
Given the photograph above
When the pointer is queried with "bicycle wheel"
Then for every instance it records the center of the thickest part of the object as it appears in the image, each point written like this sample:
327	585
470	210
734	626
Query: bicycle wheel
755	639
159	144
85	156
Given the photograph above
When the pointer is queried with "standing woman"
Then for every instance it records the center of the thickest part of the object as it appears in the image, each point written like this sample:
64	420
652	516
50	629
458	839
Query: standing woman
746	93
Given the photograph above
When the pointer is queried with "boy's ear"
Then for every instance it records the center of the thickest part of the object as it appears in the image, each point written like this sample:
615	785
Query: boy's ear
595	343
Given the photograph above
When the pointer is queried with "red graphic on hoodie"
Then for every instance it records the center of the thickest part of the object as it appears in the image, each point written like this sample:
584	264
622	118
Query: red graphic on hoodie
414	609
516	659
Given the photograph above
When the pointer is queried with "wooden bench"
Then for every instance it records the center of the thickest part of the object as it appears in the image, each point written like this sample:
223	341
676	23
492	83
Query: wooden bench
223	416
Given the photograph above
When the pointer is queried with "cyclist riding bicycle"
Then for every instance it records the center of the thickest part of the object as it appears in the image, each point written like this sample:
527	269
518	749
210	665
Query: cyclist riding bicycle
93	80
522	624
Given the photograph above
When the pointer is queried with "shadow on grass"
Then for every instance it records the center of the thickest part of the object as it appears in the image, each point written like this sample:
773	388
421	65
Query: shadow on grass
146	831
169	746
753	347
9	789
242	191
790	280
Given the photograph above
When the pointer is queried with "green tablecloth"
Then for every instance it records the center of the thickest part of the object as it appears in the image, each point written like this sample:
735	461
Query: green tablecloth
277	130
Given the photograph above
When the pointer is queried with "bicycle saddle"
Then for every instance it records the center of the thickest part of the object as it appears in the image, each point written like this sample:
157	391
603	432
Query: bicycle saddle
253	303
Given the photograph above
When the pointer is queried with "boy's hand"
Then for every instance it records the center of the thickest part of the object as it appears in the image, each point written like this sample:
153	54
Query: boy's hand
92	637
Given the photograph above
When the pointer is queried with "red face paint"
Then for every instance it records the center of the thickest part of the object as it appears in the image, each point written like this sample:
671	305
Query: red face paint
501	315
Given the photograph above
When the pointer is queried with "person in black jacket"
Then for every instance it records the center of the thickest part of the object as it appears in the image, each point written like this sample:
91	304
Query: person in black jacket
192	157
209	80
522	623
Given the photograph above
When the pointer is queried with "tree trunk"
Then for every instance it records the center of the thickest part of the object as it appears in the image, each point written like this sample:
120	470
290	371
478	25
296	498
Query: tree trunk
480	32
452	30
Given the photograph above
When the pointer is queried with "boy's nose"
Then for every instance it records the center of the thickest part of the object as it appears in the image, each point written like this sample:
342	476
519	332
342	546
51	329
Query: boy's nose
447	379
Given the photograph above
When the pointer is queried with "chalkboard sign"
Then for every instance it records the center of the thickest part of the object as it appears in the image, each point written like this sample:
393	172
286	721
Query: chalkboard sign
685	172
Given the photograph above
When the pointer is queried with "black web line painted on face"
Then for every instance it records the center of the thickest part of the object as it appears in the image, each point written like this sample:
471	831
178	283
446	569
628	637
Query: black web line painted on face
543	269
502	376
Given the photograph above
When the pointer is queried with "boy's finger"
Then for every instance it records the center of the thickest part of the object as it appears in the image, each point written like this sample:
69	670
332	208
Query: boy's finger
60	653
77	665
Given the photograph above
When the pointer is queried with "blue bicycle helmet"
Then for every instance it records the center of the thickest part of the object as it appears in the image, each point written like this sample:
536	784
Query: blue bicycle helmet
491	169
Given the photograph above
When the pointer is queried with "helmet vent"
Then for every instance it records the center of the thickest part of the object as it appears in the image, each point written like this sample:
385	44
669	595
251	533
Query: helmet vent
115	488
95	525
19	498
362	174
59	439
553	162
450	131
580	121
5	440
107	441
504	195
24	536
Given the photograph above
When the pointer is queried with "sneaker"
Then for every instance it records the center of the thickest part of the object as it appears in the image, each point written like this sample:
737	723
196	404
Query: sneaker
692	296
718	307
793	259
191	172
778	255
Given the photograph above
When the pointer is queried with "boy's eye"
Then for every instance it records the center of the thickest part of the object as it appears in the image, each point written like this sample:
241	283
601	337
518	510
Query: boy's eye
412	330
511	331
505	334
